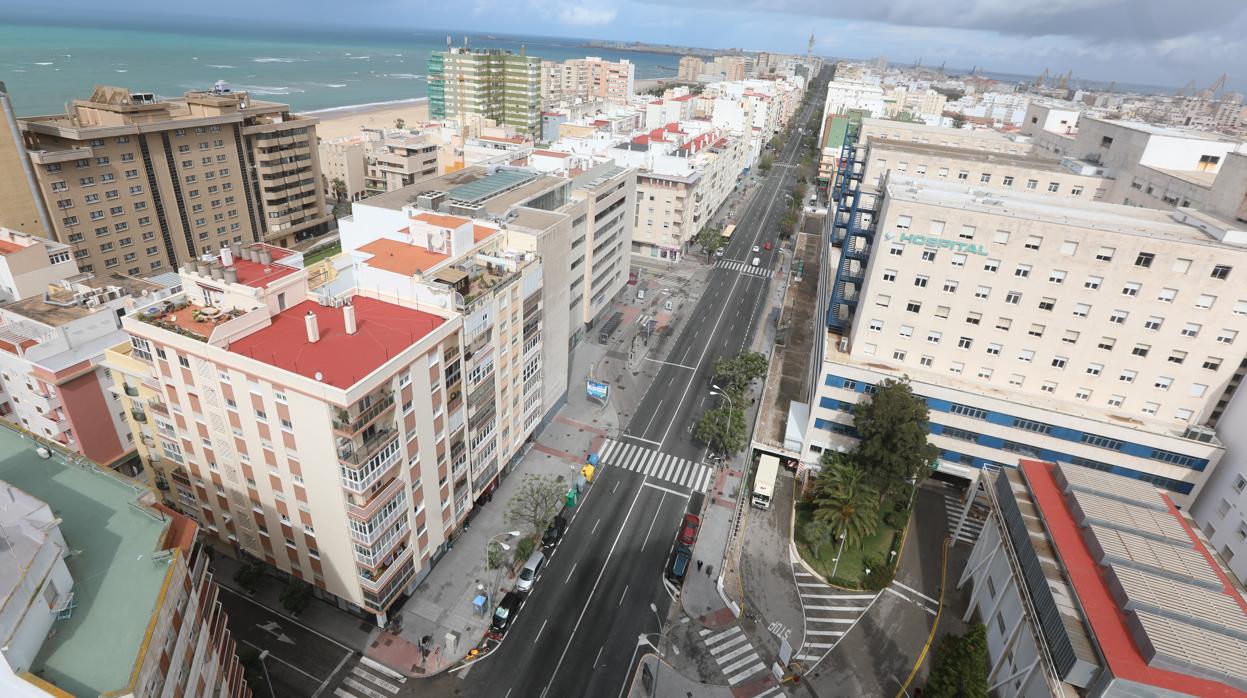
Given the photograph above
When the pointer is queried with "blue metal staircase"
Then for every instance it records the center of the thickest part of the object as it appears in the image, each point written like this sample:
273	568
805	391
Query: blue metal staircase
851	234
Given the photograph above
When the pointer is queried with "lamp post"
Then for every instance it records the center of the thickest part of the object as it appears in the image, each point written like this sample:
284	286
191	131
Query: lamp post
495	579
263	655
839	552
731	406
662	636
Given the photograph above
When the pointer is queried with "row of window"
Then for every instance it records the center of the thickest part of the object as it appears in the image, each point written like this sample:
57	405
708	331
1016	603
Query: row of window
920	170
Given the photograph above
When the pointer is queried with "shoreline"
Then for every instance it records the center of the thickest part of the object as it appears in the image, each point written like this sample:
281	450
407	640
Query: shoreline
349	120
362	108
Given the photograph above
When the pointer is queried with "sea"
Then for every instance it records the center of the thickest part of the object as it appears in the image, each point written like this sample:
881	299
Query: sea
46	67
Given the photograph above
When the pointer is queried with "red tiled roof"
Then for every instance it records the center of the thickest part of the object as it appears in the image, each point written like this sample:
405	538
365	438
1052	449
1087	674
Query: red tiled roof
7	247
504	139
400	257
641	139
685	98
441	220
552	153
384	330
1107	619
480	232
257	275
657	101
600	122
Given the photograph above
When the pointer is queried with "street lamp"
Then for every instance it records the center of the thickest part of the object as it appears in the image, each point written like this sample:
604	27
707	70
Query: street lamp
263	655
836	566
495	580
731	406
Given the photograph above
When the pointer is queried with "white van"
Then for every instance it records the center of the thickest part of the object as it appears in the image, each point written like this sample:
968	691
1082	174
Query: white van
756	260
532	568
640	294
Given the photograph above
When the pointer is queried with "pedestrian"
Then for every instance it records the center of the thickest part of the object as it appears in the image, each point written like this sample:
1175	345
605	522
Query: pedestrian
708	569
699	564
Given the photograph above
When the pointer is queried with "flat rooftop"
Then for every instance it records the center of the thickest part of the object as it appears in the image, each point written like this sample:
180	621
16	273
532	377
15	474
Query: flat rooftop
1196	177
1026	206
401	257
117	582
1155	624
258	274
1168	131
37	308
1029	162
383	331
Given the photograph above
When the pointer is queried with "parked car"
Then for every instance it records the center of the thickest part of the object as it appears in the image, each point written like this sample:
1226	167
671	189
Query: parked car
755	248
688	531
505	613
532	568
555	532
680	559
718	252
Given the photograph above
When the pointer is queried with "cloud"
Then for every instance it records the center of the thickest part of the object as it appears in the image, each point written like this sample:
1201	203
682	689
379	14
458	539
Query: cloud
580	15
1146	20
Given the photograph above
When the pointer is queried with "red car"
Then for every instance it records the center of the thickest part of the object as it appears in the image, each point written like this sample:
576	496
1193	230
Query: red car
767	246
688	532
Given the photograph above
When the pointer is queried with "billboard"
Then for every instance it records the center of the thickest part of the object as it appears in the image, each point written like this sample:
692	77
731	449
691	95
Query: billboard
597	390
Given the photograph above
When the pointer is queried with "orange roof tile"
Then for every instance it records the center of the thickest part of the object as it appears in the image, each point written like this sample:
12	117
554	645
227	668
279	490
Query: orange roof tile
7	247
440	219
552	153
400	257
480	232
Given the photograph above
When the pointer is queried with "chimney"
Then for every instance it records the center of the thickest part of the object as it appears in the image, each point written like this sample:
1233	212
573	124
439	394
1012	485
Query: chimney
348	317
313	332
227	256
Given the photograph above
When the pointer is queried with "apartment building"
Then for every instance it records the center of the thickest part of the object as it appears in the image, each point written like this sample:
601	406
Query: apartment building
345	159
976	167
586	79
398	160
21	207
53	382
690	69
917	102
685	171
491	83
923	134
1094	585
1089	333
92	563
1221	510
175	179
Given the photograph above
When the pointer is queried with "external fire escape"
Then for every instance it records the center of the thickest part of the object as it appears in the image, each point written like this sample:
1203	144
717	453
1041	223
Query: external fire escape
853	231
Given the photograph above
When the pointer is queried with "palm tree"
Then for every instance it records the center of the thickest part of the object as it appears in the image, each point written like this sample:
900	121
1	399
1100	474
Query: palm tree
844	502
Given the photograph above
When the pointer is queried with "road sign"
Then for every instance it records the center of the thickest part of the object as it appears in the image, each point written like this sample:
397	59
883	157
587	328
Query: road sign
597	390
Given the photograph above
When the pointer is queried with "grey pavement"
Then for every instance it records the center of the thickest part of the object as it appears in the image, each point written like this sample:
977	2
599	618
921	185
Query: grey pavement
668	682
765	566
442	605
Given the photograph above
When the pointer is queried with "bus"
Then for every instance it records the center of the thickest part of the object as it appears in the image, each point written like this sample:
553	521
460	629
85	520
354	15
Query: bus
764	481
727	232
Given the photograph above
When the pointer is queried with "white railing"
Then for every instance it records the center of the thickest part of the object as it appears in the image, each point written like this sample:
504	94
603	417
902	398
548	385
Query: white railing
384	546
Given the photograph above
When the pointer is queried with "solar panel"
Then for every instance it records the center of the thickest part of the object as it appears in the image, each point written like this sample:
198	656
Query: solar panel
1136	492
1182	646
1091	508
489	186
1180	562
1213	610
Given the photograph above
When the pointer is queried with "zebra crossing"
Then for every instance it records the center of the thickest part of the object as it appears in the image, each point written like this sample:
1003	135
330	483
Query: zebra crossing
954	502
663	466
370	679
734	653
829	613
742	267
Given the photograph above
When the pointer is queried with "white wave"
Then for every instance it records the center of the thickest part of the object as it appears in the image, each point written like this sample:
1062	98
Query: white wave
269	59
45	63
222	67
361	58
402	76
270	89
121	70
329	111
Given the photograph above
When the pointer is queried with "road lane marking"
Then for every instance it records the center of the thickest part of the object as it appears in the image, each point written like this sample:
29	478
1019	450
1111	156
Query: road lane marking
914	591
668	363
569	574
593	591
638	438
543	627
378	666
621	596
325	684
645	542
597	658
317	679
595	523
258	605
366	690
372	678
668	491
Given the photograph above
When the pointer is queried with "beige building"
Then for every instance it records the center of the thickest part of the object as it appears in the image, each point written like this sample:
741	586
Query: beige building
920	133
586	79
690	68
21	207
1090	333
169	181
345	159
397	160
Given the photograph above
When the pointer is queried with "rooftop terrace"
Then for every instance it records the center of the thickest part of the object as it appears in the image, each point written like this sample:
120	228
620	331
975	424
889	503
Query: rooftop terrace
117	575
339	359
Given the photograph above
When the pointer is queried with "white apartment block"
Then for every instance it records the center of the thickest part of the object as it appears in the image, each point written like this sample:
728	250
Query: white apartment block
844	95
923	134
684	173
1077	332
344	159
589	78
1221	510
342	436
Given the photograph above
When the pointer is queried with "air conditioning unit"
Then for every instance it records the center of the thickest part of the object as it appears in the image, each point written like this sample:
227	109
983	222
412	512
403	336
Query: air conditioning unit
844	345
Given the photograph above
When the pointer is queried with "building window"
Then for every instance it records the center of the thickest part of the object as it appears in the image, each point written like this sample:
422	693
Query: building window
1163	382
876	325
1131	289
994	349
1059	361
1152	323
1118	316
1026	355
913	306
1212	363
1048	387
1227	336
1003	323
1007	181
1057	276
1141	350
1144	259
1047	303
927	360
889	275
982	292
1221	271
1023	271
974	318
991	265
1033	242
1191	329
906	331
965	343
934	337
1082	394
1127	376
950	286
956	367
921	281
896	249
928	255
1105	254
1054	187
1013	297
898	355
1069	248
1181	266
1093	282
1205	301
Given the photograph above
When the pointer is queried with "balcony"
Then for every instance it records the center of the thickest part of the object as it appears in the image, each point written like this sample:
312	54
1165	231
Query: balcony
139	416
378	527
351	453
131	390
371	555
367	479
375	580
158	407
48	401
344	423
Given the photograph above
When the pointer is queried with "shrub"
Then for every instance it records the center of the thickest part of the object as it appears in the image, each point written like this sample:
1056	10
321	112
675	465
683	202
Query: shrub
296	596
523	549
960	666
896	520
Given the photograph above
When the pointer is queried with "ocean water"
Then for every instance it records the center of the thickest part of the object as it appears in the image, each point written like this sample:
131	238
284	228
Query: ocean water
46	67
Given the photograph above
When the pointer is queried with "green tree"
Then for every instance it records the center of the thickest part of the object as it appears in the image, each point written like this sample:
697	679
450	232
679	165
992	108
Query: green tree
959	667
339	189
845	502
765	162
787	223
711	239
250	572
722	428
798	194
892	429
400	124
959	121
523	549
535	502
296	596
735	374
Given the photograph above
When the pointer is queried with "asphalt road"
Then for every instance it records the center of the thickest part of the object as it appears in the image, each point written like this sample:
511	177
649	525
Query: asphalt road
577	632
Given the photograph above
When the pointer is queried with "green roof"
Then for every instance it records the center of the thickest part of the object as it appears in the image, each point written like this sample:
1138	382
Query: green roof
112	539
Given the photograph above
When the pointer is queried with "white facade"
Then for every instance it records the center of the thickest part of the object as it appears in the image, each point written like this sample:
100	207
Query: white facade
1221	510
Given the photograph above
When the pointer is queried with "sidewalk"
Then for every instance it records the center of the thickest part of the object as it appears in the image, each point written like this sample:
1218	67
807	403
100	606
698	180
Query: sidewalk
323	617
700	596
669	683
441	607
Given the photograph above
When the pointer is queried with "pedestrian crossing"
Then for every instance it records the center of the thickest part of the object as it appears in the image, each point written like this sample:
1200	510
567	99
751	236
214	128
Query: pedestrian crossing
663	466
733	652
829	614
370	679
954	502
742	267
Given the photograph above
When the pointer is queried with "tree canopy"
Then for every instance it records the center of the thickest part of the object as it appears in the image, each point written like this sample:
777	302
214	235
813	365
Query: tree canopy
722	428
892	429
845	502
959	668
536	502
734	375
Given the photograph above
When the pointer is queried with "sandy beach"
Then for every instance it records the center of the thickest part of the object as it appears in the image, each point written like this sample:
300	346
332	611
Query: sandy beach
346	121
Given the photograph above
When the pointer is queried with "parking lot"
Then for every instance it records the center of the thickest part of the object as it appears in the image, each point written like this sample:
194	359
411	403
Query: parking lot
300	661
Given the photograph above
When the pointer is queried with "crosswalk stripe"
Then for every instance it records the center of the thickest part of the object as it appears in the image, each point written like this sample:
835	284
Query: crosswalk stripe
377	680
820	645
829	633
838	596
669	463
682	475
808	657
836	608
730	631
914	591
343	694
656	464
770	691
811	584
378	666
703	481
362	688
704	632
607	449
737	640
740	663
733	680
736	652
815	619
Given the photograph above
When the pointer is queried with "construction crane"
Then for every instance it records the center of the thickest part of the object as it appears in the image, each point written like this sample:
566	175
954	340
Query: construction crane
1188	88
1039	81
1211	93
1064	83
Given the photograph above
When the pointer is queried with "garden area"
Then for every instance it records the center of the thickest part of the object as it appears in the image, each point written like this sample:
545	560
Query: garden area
850	519
323	253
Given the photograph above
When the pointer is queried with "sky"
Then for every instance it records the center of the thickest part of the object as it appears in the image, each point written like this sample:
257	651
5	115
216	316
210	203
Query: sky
1158	42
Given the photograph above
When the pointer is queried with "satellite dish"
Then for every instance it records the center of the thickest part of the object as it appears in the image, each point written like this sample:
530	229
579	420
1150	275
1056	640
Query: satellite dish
320	376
